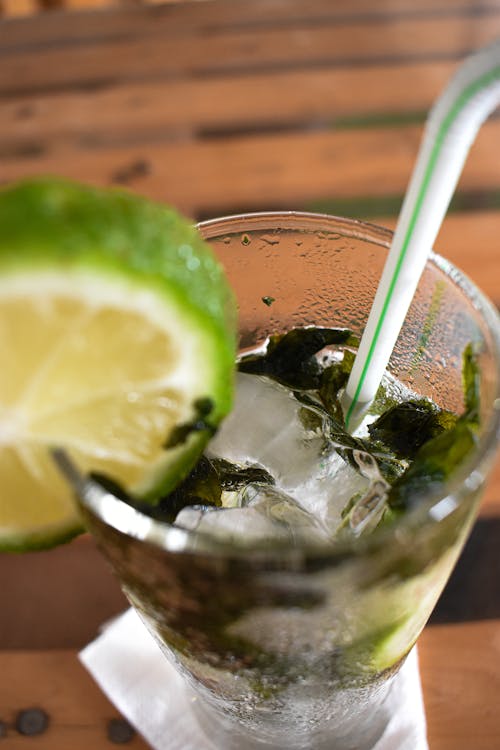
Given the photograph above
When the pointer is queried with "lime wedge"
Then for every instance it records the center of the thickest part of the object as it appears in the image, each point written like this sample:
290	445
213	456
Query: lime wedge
117	342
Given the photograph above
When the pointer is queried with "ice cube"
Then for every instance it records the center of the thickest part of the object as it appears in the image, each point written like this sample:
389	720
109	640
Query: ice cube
267	427
233	525
264	514
283	511
190	517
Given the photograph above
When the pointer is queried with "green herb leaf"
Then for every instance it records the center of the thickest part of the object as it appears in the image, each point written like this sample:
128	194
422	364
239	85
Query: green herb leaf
289	358
204	486
471	382
443	441
404	428
232	477
268	300
333	378
433	465
201	487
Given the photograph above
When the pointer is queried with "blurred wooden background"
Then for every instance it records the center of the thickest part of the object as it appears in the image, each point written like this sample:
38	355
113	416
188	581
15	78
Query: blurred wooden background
26	7
223	106
220	106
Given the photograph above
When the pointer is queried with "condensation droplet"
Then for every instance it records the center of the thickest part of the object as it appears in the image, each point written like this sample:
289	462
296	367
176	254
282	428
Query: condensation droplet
270	239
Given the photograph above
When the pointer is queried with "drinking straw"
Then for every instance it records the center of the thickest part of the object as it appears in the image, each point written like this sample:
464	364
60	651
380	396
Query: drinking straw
471	95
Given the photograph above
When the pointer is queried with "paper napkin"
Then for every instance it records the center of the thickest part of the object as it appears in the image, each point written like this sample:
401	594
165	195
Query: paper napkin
127	664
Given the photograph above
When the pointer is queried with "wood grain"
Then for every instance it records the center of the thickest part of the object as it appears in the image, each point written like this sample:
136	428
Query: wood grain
262	171
229	15
458	666
490	505
227	103
25	7
223	106
171	52
56	682
461	683
69	592
18	7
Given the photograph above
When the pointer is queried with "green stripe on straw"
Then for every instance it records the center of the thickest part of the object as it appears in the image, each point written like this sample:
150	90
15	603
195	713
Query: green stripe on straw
466	95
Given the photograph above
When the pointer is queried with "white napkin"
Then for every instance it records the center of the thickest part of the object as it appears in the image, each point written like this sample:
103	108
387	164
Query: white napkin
134	679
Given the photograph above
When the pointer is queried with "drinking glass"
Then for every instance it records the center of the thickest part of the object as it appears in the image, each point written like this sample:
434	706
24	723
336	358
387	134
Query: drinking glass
298	646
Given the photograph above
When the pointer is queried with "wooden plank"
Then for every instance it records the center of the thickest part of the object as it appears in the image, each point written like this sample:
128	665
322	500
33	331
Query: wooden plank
305	98
490	505
60	28
211	54
56	682
70	590
18	7
461	683
262	172
459	667
29	7
92	4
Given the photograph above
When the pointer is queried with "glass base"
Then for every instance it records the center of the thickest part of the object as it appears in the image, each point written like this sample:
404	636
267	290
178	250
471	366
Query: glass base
351	719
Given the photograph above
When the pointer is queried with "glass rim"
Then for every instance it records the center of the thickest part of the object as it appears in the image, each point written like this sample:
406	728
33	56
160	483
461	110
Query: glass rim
470	476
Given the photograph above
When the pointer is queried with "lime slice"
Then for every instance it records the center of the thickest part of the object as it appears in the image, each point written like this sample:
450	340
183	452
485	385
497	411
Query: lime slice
117	343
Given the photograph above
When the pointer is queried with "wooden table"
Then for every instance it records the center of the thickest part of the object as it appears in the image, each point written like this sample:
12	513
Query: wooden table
224	106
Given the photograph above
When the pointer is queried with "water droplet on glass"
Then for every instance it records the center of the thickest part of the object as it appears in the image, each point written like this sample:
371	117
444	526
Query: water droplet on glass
270	239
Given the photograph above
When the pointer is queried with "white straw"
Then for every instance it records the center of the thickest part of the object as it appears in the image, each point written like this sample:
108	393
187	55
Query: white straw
472	94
